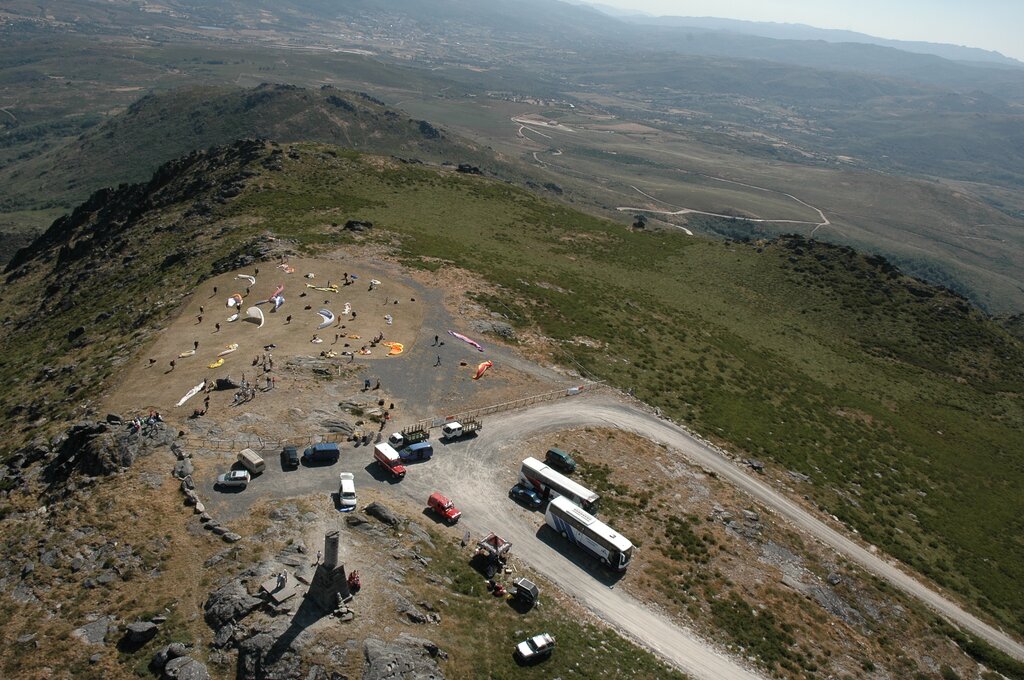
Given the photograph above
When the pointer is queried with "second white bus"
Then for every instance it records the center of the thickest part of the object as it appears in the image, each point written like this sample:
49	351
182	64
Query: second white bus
585	530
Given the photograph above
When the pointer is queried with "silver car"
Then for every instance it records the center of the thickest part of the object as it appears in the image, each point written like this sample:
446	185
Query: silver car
234	478
535	648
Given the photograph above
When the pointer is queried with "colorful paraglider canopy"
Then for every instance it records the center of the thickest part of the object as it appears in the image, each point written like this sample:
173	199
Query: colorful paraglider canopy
482	368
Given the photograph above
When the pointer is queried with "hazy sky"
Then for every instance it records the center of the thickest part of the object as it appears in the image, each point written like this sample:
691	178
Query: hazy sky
990	24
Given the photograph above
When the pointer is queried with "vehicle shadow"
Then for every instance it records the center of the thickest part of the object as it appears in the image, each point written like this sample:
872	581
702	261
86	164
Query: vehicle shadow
379	474
519	605
220	488
466	438
578	556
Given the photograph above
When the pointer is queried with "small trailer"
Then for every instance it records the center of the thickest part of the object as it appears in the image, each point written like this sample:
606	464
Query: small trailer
457	430
494	551
526	591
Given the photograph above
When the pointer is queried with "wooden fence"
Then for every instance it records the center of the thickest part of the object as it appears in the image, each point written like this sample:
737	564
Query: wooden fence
259	443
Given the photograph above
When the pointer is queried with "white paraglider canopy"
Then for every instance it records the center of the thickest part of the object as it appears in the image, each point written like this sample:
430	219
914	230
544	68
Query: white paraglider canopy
254	314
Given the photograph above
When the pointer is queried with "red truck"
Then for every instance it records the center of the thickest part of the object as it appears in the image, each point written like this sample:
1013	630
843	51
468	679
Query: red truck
444	507
388	459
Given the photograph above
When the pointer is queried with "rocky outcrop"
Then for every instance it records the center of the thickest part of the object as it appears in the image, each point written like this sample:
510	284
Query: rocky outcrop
228	604
383	513
405	658
100	448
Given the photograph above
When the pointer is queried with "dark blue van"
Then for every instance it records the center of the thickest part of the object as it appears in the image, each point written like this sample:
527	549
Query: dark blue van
324	452
417	451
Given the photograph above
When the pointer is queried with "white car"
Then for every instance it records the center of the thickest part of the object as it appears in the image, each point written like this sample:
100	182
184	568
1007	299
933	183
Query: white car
234	478
347	492
537	647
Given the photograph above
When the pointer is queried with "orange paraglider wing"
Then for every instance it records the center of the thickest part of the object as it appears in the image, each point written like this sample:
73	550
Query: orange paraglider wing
482	368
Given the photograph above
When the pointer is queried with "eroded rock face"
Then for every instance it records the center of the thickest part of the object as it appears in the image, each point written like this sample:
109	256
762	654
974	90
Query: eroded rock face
98	448
405	658
228	604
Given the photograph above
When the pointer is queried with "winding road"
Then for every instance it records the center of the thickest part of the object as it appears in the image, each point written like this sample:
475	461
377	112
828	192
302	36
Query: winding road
478	472
605	410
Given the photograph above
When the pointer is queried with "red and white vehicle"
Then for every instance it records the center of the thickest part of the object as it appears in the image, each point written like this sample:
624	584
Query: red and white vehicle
388	459
443	506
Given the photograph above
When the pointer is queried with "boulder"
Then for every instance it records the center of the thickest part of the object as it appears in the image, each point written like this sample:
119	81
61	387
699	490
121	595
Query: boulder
140	632
227	604
94	632
406	657
165	654
381	512
183	468
185	668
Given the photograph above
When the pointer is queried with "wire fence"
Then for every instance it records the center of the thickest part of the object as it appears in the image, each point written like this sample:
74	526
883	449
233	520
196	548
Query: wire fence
259	443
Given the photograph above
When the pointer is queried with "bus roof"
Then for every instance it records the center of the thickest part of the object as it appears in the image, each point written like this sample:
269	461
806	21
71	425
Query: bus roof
547	473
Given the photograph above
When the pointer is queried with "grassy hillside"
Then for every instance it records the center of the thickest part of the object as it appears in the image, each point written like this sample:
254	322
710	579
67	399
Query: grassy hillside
901	402
159	127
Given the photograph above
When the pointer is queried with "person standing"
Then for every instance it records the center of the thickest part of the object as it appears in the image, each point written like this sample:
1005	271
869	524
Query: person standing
195	345
438	362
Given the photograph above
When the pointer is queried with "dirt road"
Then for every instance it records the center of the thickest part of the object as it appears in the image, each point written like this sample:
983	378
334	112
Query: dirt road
607	411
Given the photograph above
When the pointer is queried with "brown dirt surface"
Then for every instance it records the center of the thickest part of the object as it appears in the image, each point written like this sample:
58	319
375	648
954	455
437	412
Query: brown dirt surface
143	387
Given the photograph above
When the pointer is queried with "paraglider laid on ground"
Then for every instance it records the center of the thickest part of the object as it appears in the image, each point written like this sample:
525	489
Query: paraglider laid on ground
462	337
482	368
395	347
234	300
228	349
255	315
188	353
217	364
328	318
191	393
326	289
233	317
250	279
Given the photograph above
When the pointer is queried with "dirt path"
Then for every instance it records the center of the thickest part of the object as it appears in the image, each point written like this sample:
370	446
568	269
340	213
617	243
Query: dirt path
609	412
691	211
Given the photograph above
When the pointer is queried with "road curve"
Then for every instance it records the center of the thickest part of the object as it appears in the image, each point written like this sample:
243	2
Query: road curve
606	410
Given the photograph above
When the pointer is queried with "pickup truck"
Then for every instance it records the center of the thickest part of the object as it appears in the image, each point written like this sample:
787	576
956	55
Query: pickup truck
408	436
444	507
388	459
457	430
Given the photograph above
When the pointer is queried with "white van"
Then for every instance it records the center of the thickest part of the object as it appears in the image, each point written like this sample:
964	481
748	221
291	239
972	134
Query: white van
252	461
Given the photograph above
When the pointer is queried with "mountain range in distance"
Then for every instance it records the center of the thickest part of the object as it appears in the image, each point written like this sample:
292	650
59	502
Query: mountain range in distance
791	31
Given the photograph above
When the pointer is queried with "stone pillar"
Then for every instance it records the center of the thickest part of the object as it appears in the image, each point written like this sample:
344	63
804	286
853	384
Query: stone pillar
331	549
329	587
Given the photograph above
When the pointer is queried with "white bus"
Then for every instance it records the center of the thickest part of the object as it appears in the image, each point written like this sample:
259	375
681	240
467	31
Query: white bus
583	529
550	483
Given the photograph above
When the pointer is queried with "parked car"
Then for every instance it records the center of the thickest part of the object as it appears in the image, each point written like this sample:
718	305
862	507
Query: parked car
560	460
325	452
289	458
525	495
234	478
535	648
443	506
252	461
347	492
417	451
